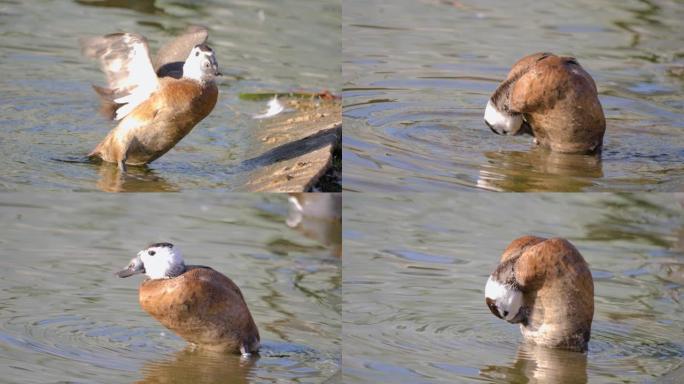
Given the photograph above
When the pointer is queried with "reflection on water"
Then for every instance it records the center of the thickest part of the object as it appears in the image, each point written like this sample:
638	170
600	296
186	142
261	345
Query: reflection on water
418	75
318	216
135	179
201	366
48	109
416	266
188	366
143	6
540	365
64	314
538	170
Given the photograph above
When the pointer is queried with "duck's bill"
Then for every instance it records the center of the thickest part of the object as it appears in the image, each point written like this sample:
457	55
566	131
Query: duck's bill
134	267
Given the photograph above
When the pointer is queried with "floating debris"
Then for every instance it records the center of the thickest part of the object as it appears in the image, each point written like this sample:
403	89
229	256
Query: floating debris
274	108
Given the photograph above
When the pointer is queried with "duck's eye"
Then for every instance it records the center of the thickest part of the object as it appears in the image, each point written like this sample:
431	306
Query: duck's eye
197	53
151	252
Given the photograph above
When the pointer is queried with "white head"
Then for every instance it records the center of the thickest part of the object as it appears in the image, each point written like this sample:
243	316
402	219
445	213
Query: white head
201	64
500	122
503	300
158	261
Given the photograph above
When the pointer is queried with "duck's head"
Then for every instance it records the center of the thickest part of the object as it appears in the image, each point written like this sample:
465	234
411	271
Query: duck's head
504	299
157	261
504	291
201	64
502	121
545	285
502	114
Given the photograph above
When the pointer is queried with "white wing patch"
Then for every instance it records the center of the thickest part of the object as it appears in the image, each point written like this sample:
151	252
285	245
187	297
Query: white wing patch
125	60
141	78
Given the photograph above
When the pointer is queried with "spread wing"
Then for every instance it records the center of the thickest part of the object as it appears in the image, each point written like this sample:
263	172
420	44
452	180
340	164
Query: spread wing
125	60
172	56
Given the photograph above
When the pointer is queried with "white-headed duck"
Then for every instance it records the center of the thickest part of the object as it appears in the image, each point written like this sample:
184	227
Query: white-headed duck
546	286
552	98
201	305
156	105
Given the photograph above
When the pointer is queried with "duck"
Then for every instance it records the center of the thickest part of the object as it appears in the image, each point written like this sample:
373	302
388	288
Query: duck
155	103
200	304
544	285
551	98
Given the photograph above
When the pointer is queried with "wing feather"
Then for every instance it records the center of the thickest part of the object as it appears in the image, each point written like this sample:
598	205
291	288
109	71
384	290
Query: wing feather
125	60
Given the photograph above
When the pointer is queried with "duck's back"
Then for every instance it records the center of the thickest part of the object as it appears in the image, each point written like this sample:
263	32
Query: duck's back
204	307
560	102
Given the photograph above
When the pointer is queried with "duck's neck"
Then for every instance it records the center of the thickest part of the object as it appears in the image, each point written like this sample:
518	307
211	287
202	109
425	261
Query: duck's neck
197	75
176	270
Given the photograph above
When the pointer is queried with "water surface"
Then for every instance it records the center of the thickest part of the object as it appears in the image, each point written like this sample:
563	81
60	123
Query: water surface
418	74
65	317
415	268
48	119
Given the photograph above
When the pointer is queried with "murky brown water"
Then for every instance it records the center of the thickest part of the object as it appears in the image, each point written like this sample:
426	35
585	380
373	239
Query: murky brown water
48	119
418	74
415	268
65	317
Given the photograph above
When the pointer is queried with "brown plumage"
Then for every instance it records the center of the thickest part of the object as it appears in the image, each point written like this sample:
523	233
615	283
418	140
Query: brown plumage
154	127
557	290
157	105
557	100
203	307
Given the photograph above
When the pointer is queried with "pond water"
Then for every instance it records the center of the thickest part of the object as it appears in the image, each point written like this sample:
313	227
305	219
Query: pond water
65	317
418	74
415	269
48	111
